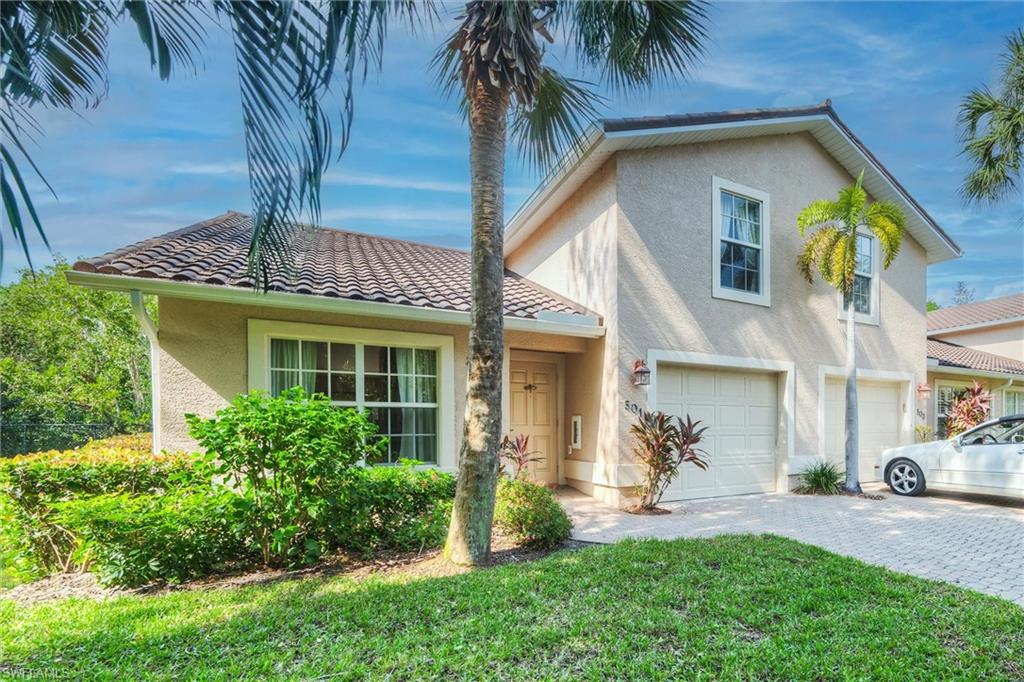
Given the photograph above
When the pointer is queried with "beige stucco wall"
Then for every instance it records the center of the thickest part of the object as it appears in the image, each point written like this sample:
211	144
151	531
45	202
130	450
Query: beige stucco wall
659	213
1006	340
204	355
574	253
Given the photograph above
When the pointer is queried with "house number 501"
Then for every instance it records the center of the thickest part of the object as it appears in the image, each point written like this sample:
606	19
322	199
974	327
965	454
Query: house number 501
633	407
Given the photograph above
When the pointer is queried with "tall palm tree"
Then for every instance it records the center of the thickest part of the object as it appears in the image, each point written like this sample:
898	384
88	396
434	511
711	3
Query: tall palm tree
831	227
992	129
288	54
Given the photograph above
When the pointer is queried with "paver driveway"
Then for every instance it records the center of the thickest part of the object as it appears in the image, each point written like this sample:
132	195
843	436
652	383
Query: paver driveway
972	542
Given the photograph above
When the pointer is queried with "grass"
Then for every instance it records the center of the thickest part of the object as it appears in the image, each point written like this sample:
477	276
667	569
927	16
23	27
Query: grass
734	607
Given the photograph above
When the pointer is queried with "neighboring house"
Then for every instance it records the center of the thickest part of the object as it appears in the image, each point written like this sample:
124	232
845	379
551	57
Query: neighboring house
669	240
981	342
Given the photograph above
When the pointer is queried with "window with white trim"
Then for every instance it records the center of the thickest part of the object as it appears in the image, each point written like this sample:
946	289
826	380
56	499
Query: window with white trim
1013	402
945	394
397	385
741	265
864	276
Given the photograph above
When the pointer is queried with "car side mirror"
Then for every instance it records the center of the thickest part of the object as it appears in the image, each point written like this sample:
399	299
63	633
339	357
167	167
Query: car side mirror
958	442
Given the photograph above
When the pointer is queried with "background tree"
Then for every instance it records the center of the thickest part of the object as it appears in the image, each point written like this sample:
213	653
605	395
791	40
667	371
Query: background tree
831	227
289	56
931	305
992	130
963	294
69	355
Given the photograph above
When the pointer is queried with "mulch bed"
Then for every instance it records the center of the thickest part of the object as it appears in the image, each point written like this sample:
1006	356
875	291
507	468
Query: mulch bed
640	511
426	564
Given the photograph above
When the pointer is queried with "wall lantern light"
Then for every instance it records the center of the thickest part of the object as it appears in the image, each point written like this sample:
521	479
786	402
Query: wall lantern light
641	374
924	391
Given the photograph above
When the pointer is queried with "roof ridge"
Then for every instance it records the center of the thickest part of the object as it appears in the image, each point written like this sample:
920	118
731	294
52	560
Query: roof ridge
612	124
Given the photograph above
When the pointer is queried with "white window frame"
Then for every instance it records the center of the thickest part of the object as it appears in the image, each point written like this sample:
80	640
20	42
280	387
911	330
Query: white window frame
1006	392
764	298
261	331
939	385
873	317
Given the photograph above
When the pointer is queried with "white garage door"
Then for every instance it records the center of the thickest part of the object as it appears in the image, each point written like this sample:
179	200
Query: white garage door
742	412
878	413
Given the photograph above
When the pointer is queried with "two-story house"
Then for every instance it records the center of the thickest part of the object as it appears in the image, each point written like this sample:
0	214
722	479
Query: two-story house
669	240
979	342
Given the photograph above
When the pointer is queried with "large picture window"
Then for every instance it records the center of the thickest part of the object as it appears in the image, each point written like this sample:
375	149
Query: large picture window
741	266
397	385
403	379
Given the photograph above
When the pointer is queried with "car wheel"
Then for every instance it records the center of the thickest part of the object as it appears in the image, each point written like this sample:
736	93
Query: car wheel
906	478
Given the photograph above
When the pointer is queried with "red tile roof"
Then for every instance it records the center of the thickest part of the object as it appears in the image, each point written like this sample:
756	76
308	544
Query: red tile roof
332	263
993	310
952	355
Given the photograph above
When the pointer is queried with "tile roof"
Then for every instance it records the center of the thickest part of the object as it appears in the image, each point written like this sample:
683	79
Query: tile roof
952	355
992	310
328	262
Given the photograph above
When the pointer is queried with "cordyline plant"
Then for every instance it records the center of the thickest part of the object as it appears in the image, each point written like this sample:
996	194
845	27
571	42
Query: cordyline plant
516	451
663	444
969	409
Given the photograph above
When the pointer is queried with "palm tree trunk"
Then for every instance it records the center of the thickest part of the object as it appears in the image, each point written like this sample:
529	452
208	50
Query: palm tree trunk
469	535
852	425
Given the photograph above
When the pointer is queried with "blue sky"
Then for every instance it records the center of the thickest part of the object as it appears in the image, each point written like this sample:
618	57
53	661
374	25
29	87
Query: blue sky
156	156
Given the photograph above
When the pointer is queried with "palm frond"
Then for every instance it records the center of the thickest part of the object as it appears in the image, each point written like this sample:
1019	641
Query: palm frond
816	214
289	55
170	31
826	258
554	123
843	263
851	202
813	250
992	130
636	43
886	221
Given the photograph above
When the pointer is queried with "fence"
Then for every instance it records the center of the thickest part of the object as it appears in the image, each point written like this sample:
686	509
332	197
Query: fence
19	438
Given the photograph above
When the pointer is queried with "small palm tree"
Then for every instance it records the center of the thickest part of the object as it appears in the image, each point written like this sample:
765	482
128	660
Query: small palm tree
831	227
992	130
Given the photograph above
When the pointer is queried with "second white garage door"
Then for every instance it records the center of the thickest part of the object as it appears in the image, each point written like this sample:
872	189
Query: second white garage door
742	412
878	413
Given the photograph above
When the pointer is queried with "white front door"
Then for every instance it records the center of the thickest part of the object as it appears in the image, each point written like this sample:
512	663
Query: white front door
533	410
741	413
878	417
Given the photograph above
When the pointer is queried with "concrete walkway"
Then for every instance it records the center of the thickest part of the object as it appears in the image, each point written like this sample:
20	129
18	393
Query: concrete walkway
975	542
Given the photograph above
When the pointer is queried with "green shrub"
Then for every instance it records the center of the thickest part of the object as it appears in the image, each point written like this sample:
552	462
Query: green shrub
287	457
392	508
530	514
821	478
137	539
31	484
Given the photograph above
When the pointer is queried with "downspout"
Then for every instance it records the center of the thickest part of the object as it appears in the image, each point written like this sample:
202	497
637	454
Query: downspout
1002	394
149	329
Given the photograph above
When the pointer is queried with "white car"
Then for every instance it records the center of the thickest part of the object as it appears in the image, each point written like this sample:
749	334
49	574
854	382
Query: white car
988	459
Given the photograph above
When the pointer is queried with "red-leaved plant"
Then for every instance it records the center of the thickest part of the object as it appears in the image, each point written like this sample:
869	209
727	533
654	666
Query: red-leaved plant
516	451
663	444
969	409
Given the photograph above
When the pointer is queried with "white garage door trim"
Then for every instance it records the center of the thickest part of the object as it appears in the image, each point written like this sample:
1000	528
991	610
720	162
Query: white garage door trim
904	379
788	383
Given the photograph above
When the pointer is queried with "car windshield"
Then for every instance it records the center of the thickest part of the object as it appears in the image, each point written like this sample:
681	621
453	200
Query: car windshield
1005	431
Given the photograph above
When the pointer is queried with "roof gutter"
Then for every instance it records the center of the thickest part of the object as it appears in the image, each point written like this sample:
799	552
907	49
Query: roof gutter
587	327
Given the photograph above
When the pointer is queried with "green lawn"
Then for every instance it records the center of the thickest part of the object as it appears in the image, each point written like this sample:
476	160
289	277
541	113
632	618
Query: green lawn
737	607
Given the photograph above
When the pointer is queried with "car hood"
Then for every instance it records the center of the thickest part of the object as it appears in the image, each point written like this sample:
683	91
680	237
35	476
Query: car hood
916	452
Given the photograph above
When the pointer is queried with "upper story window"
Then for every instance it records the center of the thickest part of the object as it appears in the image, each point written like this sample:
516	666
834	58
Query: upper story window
865	284
741	265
